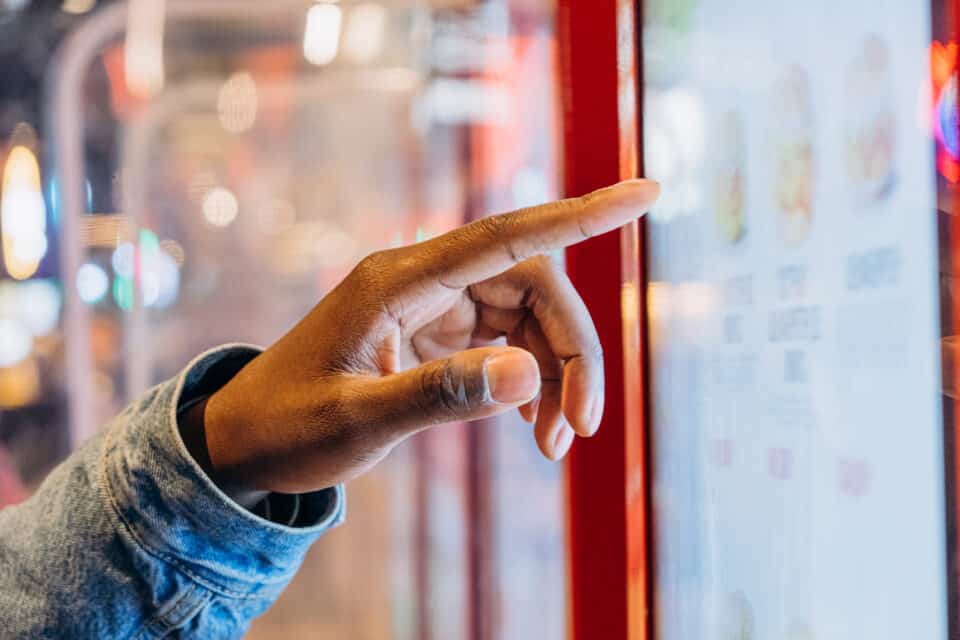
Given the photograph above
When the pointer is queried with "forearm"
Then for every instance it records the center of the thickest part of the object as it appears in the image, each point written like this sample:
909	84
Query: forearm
129	535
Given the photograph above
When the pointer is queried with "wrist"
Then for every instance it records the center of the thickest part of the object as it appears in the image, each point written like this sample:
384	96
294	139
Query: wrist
197	425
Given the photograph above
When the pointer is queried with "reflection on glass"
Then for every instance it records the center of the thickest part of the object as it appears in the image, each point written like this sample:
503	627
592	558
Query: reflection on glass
230	167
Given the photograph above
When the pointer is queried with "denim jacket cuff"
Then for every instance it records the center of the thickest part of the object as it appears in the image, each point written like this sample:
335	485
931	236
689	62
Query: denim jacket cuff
175	511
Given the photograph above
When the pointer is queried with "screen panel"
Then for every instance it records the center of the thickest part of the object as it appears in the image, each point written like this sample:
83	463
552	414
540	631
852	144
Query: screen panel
795	321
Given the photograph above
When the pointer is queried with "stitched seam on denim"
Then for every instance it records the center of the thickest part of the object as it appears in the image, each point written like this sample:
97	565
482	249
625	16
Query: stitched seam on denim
164	622
168	619
157	624
149	550
198	605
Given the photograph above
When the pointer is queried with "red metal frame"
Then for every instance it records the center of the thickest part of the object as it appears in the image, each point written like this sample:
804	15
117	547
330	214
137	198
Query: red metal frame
606	478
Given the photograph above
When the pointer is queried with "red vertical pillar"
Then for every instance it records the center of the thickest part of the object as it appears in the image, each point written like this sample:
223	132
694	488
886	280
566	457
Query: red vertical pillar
606	482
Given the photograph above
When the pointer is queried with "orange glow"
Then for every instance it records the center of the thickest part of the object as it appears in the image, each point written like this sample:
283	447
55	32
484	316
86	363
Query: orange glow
943	61
19	384
122	99
23	214
143	49
949	168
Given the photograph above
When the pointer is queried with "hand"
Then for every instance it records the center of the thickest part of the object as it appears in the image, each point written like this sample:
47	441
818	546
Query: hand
407	341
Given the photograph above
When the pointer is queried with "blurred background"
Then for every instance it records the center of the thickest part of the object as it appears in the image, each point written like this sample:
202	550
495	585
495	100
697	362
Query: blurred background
179	174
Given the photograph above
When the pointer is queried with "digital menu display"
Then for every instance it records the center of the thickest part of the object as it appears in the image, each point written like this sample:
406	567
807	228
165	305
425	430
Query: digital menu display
797	418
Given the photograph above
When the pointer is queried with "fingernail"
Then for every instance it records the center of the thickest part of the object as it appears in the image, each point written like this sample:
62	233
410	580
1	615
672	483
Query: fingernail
648	188
642	182
513	377
563	442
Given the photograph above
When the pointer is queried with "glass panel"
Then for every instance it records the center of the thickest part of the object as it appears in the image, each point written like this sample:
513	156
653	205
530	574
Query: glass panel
206	172
798	448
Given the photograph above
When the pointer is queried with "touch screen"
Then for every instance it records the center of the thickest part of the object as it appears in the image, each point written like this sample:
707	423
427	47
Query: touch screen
794	313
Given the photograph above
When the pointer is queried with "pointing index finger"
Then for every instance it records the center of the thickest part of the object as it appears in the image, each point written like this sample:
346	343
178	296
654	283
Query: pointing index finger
492	245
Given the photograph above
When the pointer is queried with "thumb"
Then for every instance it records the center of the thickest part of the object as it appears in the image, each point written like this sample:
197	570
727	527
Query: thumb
468	385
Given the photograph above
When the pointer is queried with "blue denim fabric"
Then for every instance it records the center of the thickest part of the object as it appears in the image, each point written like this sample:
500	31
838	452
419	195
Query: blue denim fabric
128	538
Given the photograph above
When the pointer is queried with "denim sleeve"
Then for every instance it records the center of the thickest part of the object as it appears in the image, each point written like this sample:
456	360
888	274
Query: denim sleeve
129	538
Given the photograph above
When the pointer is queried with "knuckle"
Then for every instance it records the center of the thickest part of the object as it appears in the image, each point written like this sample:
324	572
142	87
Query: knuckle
571	206
370	286
576	206
373	269
384	279
494	226
446	390
391	266
380	270
499	229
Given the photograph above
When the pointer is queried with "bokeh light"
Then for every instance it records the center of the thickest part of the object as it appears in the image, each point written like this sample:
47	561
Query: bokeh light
143	50
943	72
166	275
160	279
16	341
122	260
156	271
237	103
123	292
364	32
23	214
78	6
321	38
92	283
28	310
220	207
175	250
38	306
947	114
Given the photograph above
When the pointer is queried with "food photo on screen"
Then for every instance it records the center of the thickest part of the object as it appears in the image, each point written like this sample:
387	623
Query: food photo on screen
871	125
729	180
792	105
